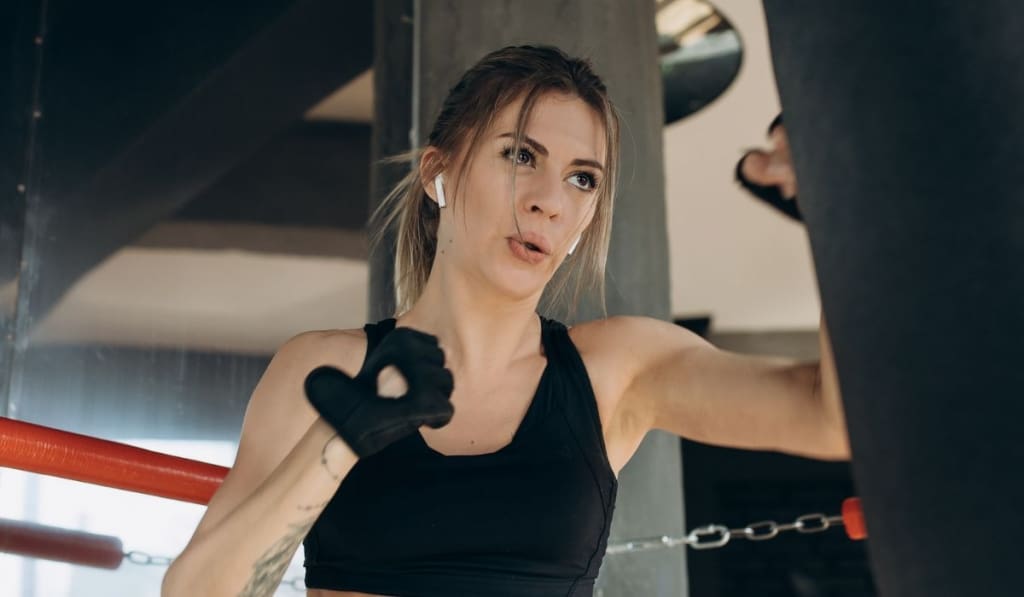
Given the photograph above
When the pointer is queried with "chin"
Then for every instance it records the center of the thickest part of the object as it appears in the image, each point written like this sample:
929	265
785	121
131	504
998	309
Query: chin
519	284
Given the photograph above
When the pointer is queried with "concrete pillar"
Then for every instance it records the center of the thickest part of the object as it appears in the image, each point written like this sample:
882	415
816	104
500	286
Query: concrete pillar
445	39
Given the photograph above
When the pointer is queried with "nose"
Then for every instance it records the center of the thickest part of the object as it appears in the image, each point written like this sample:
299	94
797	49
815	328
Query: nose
545	198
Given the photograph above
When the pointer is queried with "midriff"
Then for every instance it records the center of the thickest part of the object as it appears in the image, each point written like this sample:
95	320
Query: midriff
330	593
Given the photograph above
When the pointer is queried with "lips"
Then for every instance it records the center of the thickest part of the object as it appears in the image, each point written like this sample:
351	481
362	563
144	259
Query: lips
533	242
525	253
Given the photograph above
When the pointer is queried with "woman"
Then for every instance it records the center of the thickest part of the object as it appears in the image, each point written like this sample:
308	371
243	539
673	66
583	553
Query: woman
495	472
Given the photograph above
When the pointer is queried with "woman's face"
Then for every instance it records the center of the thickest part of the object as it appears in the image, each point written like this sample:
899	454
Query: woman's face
557	172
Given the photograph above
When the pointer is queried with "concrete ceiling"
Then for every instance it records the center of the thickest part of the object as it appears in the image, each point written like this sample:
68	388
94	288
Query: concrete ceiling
206	299
224	286
351	103
231	286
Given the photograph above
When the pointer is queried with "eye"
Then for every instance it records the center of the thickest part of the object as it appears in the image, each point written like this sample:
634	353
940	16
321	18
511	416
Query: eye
523	158
583	181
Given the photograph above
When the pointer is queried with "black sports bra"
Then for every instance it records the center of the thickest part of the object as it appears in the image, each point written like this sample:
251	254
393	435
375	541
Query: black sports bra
529	519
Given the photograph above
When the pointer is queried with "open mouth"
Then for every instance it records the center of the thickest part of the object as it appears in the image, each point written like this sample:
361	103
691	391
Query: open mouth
527	251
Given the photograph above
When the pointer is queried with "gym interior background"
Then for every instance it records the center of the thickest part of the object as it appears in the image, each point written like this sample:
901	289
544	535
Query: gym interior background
185	187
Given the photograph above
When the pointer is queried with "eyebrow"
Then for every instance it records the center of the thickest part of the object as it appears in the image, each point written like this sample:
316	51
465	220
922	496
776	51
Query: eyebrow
544	152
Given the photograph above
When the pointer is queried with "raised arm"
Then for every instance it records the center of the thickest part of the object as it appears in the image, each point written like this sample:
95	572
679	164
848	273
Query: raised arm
680	383
289	463
305	426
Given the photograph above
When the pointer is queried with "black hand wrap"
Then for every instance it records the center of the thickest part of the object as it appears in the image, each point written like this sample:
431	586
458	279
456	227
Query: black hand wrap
368	422
771	195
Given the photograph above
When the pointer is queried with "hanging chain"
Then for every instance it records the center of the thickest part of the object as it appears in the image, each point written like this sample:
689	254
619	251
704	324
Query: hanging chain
714	536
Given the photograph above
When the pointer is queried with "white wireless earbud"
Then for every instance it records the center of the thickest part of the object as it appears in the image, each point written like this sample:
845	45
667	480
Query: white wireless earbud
574	243
439	187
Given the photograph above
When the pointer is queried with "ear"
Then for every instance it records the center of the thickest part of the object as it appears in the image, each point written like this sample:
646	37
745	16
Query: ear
431	164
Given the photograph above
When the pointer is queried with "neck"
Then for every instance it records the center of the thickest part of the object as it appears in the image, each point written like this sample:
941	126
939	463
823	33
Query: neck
478	328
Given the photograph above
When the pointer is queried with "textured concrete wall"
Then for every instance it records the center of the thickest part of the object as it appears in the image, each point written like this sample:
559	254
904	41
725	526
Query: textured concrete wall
620	39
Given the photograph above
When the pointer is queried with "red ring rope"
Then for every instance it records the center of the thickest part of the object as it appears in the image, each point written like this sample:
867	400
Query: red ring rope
49	451
62	545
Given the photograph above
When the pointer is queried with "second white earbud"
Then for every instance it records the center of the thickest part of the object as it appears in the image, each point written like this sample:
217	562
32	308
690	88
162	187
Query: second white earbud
439	188
574	244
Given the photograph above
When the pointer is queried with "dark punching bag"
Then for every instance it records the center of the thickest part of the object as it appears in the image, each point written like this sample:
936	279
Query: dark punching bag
906	123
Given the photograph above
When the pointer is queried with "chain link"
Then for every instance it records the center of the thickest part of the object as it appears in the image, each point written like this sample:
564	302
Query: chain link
144	559
714	536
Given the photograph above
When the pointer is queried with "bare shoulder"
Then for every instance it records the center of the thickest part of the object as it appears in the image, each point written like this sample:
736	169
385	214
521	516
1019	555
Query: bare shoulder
278	413
604	345
630	338
344	349
598	330
282	381
616	351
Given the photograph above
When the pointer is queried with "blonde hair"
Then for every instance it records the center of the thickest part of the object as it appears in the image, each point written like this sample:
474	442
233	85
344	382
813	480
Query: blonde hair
497	80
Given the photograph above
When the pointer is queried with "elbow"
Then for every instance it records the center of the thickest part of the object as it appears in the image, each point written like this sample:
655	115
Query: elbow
180	579
832	447
173	582
169	586
835	444
838	450
842	443
833	441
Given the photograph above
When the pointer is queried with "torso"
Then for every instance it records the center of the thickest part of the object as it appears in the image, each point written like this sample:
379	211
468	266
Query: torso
480	428
485	426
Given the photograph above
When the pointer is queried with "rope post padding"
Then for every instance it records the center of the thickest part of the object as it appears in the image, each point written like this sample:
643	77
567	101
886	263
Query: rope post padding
853	519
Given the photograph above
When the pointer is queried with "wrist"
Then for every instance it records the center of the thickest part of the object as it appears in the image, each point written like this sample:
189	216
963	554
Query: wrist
336	456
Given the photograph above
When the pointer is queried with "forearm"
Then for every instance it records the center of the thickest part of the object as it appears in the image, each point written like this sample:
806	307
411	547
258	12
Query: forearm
827	392
248	552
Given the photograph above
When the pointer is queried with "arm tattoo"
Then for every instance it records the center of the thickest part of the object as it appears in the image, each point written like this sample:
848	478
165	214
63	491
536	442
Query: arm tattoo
318	507
323	458
271	566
